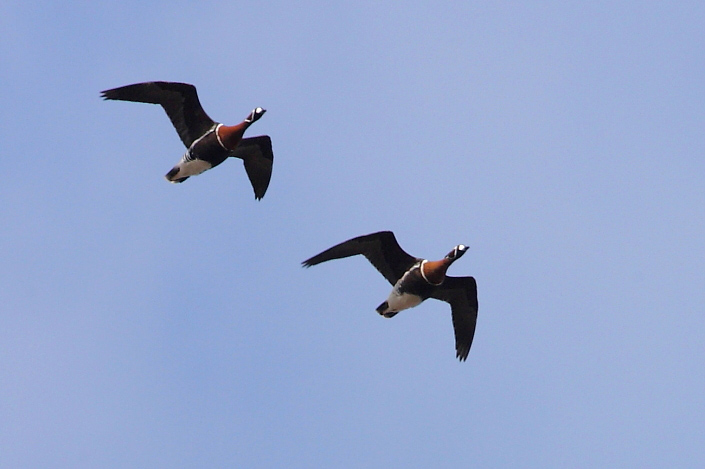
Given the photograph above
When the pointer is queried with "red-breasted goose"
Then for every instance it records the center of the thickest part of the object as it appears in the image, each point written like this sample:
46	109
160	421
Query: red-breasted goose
414	280
209	143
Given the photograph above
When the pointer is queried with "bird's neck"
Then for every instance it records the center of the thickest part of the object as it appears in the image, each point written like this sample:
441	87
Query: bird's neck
435	271
231	135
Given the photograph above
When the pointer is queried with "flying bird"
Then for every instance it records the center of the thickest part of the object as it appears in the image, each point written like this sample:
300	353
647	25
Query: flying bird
208	143
415	280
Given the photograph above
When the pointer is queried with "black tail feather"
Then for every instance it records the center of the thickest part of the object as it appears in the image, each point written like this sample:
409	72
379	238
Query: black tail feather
383	307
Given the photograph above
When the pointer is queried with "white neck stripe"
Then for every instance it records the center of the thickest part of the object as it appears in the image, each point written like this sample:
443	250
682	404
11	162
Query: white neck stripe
421	269
424	275
218	136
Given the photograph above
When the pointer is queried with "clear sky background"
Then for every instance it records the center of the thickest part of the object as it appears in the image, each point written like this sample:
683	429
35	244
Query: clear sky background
145	324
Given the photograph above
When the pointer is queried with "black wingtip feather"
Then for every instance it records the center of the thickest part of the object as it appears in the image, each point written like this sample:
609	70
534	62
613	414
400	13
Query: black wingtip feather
462	355
309	262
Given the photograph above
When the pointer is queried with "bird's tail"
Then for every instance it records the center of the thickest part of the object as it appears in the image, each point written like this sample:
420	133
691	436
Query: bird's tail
383	309
171	175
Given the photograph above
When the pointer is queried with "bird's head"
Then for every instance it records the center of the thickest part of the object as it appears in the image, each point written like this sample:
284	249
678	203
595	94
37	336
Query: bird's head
457	252
255	114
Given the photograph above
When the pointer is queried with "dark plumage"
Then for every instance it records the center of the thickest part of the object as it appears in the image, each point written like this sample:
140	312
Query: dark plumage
414	280
209	143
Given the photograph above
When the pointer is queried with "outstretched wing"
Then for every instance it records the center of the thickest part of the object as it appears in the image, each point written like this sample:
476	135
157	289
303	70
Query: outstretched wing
381	249
461	293
257	155
179	100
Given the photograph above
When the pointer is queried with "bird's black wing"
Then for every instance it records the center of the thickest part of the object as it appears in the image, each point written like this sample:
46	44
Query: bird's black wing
461	293
381	249
257	155
179	100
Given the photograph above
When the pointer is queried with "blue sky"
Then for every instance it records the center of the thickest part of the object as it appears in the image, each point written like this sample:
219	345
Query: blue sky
145	324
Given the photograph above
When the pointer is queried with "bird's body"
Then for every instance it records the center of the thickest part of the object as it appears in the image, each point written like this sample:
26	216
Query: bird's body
205	152
414	280
208	143
407	293
411	289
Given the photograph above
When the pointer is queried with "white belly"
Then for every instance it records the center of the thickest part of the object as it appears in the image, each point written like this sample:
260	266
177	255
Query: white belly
404	301
192	168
